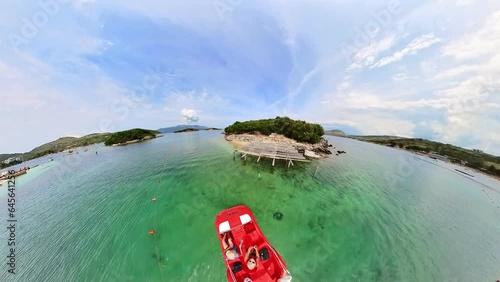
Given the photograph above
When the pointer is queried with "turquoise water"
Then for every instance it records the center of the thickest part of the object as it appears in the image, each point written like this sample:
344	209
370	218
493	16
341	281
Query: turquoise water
373	214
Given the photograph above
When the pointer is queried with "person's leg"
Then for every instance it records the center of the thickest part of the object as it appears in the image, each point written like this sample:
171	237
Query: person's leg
231	245
224	244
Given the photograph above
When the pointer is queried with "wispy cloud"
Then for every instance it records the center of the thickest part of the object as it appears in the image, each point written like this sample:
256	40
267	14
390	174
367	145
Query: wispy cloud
368	55
412	48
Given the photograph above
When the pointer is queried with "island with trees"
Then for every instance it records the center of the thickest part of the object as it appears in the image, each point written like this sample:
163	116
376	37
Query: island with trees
130	136
297	130
186	130
302	136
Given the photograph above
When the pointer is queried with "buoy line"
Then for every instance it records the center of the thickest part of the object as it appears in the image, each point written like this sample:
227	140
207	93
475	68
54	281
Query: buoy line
153	232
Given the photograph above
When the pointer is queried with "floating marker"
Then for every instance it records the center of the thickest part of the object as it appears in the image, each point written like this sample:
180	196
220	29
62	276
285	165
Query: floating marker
152	232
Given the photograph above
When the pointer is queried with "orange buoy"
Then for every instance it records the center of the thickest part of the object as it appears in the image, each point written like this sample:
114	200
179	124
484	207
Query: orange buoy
154	199
152	232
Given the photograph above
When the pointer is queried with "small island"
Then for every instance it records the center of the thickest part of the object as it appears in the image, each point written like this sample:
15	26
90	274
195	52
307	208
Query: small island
179	128
130	136
280	138
187	130
194	129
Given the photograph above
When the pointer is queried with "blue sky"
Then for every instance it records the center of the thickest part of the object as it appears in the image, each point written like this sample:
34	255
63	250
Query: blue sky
427	69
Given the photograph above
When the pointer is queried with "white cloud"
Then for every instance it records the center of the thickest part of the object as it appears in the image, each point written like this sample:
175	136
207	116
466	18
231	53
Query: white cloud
476	91
190	115
485	41
465	2
413	47
457	71
367	55
32	99
398	77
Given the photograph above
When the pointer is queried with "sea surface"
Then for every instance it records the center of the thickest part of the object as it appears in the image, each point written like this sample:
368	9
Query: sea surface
373	214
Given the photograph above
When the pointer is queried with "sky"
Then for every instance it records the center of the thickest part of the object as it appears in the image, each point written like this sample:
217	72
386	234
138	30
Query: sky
427	69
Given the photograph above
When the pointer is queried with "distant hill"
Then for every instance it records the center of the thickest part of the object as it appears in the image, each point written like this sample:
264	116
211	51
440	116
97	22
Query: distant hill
58	145
65	143
182	127
173	129
375	137
3	157
335	133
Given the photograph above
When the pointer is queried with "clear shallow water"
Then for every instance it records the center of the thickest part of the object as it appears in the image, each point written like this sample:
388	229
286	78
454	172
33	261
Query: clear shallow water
374	214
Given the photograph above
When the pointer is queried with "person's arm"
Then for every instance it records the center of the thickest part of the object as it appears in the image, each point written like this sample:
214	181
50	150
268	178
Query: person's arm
247	254
257	255
224	244
241	250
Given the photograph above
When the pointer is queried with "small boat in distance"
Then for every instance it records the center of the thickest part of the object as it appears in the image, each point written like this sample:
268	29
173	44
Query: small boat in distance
5	175
238	224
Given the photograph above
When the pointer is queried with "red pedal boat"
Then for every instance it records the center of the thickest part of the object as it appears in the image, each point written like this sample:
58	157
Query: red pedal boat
238	224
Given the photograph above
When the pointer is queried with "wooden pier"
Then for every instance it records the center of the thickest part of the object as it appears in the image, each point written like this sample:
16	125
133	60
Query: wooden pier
272	151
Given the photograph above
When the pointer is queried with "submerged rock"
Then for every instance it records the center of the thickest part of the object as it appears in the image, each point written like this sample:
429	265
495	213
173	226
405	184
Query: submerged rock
278	215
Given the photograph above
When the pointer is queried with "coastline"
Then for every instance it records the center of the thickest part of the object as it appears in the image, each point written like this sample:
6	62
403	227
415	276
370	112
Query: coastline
461	166
149	137
464	167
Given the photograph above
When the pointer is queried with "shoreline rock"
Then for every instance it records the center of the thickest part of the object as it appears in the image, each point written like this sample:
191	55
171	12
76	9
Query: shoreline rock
312	151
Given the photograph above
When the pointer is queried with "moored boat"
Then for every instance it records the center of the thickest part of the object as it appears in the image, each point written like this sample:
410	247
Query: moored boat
17	173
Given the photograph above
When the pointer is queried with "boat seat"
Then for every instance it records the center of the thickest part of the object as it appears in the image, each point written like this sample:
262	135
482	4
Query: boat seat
244	219
224	227
237	267
264	253
249	227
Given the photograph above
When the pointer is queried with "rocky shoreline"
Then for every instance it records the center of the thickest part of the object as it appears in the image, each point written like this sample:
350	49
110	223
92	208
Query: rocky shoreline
149	137
311	151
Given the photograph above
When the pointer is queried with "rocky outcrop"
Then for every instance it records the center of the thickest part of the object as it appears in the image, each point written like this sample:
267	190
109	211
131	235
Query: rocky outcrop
322	147
273	138
312	151
311	155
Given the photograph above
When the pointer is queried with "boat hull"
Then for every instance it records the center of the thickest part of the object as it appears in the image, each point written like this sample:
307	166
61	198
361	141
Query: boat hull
239	223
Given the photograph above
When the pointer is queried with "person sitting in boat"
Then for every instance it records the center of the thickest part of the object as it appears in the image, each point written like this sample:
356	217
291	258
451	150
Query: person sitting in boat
251	257
229	248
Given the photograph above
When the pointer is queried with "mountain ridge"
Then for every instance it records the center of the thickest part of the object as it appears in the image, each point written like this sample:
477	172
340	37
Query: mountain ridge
180	127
